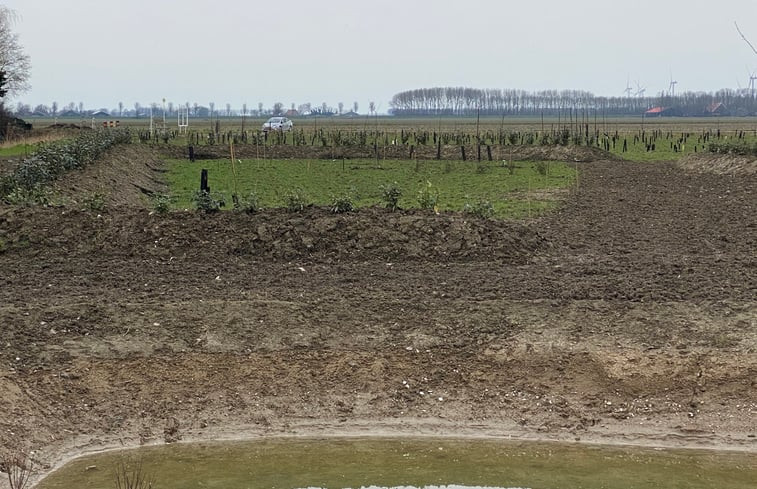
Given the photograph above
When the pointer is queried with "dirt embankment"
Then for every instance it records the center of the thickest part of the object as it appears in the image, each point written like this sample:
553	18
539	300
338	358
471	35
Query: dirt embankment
721	164
627	316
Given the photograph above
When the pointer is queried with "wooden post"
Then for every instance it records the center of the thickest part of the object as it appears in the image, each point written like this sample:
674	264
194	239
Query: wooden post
204	187
234	196
439	149
489	152
462	150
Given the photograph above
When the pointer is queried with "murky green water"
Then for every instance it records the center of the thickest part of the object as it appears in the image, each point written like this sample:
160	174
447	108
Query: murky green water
355	463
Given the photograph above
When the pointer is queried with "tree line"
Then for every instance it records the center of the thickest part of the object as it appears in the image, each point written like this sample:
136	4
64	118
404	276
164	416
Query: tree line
465	101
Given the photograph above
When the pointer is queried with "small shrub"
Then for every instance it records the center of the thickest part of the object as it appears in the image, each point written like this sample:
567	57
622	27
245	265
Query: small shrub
342	204
481	208
482	168
23	196
132	476
207	202
541	167
295	200
19	469
250	204
94	202
161	203
390	194
428	197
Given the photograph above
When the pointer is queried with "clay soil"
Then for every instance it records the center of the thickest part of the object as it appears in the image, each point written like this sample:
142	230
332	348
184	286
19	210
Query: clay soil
627	316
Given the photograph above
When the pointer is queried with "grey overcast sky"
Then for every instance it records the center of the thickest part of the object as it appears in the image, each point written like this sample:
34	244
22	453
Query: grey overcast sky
100	52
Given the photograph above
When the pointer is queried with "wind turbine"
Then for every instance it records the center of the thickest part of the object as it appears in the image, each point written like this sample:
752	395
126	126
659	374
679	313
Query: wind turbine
672	86
640	90
628	89
752	79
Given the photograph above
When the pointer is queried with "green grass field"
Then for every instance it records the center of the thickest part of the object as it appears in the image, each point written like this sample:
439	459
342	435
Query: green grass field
520	194
17	150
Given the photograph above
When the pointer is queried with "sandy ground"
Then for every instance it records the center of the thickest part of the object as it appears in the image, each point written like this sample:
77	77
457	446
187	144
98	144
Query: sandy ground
628	316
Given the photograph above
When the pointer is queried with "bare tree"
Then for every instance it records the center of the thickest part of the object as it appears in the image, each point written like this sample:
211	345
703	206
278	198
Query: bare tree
278	108
341	107
260	108
120	109
14	64
354	107
212	106
54	109
228	109
372	107
137	109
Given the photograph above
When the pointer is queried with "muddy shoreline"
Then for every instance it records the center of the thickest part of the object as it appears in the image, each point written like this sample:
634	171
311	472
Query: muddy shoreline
422	429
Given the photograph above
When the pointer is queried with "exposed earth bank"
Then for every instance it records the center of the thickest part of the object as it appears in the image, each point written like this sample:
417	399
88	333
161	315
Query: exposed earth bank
628	316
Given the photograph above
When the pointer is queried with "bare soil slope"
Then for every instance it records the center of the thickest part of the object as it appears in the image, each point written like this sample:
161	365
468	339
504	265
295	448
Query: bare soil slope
724	164
627	316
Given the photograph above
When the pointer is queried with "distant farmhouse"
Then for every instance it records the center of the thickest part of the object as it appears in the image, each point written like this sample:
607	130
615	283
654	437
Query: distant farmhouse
659	112
716	109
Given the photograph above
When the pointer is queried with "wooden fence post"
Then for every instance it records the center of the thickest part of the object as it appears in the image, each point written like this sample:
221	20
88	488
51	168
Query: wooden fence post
204	187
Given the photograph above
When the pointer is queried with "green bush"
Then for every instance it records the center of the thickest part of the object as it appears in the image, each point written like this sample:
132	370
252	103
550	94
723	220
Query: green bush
481	208
24	196
206	202
428	196
733	147
295	200
342	204
161	203
94	202
250	204
390	194
51	160
482	168
541	167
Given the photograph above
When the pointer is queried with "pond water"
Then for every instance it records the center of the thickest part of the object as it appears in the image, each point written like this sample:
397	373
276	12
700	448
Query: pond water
291	463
